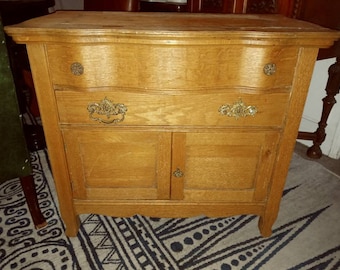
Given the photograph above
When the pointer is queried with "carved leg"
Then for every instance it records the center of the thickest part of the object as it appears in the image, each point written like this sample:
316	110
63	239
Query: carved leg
332	89
28	187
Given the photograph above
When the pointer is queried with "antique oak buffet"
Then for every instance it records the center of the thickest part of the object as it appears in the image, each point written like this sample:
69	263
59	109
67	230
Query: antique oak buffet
168	114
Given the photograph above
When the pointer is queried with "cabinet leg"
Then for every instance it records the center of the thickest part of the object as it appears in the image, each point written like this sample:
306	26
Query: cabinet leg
72	224
332	89
28	187
265	227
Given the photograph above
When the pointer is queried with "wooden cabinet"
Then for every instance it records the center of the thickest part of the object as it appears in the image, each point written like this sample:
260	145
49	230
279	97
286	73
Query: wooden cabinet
286	7
170	115
162	6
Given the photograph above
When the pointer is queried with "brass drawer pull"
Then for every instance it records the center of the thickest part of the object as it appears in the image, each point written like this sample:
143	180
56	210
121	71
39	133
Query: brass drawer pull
237	110
178	173
77	69
269	69
107	108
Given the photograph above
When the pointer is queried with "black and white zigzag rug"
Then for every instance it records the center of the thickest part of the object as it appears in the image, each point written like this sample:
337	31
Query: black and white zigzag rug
305	236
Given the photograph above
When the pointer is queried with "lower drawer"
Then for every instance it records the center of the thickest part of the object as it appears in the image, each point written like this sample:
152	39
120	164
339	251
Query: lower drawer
129	109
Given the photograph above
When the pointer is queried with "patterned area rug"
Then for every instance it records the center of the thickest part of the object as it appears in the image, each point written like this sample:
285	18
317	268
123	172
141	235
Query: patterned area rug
305	236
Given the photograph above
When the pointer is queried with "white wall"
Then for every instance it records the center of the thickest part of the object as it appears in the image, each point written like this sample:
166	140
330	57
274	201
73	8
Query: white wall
313	110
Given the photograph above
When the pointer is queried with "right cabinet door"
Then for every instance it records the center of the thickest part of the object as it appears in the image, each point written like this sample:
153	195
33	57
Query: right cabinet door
223	166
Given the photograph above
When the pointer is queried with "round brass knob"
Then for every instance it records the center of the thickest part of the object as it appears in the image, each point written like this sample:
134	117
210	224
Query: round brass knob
77	69
269	69
178	173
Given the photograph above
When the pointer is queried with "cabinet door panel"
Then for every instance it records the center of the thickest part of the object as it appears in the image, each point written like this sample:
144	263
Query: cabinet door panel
223	166
105	164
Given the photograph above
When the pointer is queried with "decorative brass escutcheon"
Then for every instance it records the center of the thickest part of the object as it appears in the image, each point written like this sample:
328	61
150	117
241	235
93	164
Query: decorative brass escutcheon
107	108
77	69
269	69
237	110
178	173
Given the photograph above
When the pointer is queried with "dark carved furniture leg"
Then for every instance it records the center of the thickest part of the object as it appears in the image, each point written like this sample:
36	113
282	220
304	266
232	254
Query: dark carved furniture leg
28	187
332	89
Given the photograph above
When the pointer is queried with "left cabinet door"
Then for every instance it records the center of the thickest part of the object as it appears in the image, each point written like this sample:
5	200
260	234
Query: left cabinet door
106	164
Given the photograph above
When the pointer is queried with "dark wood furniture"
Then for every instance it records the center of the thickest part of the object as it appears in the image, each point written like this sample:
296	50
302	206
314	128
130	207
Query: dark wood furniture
325	13
285	7
16	137
116	5
13	12
163	7
14	156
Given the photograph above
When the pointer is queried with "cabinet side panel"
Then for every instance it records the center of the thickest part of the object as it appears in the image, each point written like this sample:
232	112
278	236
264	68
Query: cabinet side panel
54	141
303	73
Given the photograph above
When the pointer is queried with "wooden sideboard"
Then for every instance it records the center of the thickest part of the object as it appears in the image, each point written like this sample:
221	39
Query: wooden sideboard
170	115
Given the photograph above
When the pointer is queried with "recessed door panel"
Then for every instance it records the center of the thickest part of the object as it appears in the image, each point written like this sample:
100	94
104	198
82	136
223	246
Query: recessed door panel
223	166
113	165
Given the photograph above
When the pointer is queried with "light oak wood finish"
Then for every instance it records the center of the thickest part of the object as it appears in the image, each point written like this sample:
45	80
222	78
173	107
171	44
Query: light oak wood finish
172	80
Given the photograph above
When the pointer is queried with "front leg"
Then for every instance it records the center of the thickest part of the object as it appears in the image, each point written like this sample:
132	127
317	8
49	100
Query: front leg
265	226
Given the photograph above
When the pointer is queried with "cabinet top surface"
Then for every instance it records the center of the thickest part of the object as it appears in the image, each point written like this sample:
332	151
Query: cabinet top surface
89	25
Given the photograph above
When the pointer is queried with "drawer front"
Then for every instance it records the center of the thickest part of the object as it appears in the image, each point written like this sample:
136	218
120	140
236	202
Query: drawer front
130	109
171	66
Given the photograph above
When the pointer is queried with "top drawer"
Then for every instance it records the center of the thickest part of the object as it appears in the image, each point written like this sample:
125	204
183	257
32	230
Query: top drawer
171	66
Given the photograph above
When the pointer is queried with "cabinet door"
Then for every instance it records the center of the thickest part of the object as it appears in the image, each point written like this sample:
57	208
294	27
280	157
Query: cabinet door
106	164
226	167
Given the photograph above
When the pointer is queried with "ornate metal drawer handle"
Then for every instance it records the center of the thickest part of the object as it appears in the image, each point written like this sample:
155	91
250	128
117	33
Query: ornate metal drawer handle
237	110
178	173
269	69
107	108
77	69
